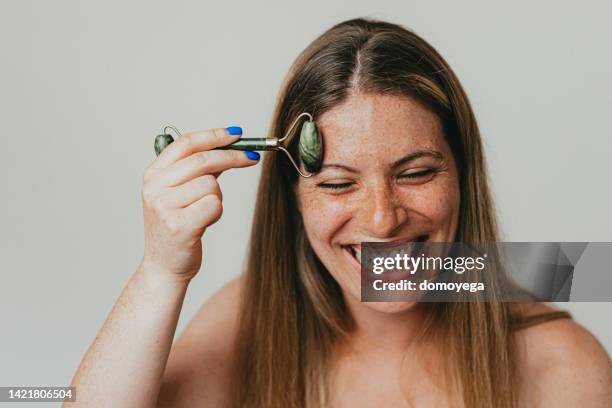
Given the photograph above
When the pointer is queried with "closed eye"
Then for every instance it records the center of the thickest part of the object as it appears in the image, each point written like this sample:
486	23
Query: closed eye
336	186
417	174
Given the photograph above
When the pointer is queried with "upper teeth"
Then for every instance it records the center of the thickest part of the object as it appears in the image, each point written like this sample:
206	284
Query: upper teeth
404	250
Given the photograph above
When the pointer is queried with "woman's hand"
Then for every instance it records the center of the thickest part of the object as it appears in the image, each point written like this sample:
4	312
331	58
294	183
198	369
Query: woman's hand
181	198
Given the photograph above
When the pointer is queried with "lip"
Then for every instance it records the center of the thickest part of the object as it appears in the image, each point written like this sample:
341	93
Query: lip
388	276
414	238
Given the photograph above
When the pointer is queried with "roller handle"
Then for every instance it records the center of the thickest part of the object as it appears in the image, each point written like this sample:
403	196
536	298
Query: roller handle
253	143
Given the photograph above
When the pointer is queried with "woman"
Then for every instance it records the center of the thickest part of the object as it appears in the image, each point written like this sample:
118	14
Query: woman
403	160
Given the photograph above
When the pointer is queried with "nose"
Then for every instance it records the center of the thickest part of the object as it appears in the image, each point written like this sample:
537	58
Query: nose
383	212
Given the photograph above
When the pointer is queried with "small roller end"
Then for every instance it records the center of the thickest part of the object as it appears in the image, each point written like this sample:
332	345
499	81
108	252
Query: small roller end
161	142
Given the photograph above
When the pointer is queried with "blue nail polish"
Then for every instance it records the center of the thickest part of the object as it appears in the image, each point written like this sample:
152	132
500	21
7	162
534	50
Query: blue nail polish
252	155
234	130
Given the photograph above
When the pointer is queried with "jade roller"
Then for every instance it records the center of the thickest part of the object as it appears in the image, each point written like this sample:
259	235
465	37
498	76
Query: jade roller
310	146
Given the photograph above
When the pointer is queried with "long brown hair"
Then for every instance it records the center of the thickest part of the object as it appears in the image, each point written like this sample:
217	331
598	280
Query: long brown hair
292	310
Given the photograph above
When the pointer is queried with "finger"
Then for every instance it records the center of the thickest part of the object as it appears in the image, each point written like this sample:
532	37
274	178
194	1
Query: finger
198	164
185	194
193	142
205	211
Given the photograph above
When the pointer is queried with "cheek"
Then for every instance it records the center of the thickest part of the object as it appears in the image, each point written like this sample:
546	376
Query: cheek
323	216
438	200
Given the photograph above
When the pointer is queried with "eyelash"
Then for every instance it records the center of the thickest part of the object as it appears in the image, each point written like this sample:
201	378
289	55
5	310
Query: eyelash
340	186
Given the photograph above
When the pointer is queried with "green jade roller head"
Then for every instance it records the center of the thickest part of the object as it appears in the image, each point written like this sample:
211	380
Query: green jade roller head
310	144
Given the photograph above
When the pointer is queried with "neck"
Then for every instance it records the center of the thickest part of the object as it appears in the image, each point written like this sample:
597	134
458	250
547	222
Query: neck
383	331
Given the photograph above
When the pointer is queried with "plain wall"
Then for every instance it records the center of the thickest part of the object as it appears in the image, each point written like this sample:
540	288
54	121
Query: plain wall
86	86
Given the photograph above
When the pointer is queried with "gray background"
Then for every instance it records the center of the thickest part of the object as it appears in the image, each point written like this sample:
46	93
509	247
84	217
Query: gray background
85	87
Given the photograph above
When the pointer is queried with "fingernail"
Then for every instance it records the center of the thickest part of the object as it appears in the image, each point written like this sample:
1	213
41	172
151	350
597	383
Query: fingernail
234	130
252	155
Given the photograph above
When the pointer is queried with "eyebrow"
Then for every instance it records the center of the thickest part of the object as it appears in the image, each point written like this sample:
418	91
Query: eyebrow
403	160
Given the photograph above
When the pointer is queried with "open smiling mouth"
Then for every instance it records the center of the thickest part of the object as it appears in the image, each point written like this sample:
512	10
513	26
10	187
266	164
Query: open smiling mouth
354	250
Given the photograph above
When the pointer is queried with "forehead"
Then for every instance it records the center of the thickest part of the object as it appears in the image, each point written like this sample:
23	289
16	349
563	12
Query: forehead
383	127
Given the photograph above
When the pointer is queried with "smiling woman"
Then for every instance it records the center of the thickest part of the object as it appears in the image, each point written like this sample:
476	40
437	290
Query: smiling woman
403	160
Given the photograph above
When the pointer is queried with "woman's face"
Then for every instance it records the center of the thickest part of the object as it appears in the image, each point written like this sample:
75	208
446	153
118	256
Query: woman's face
387	175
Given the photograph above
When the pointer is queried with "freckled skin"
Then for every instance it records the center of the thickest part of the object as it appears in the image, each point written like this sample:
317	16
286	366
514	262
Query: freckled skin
368	132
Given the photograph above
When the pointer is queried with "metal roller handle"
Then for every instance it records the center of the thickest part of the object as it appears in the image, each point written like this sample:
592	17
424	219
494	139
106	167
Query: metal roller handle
253	143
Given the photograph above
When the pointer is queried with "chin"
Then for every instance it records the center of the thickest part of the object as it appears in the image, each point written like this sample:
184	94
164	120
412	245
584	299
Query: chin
390	307
353	292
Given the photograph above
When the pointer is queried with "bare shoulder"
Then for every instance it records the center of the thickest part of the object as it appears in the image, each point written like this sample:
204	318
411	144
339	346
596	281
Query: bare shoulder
563	364
199	366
